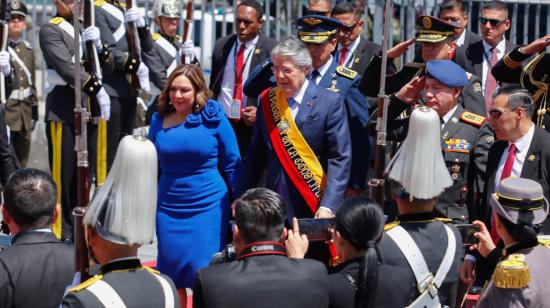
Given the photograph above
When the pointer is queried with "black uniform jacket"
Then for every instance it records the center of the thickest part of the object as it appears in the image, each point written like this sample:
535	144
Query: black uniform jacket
35	270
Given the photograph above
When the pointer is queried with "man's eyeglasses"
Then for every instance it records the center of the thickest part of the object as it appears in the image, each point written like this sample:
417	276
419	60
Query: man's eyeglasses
496	114
348	28
493	22
285	70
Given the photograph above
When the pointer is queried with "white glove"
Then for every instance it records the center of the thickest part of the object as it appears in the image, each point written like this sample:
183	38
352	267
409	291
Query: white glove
92	34
5	66
188	50
104	104
143	76
134	15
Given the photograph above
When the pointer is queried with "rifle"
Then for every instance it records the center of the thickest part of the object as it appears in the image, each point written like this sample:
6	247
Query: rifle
91	61
187	27
133	52
81	118
377	184
4	17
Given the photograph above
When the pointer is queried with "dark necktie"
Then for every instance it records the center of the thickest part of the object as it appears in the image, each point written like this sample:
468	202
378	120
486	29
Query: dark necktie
314	75
239	67
490	81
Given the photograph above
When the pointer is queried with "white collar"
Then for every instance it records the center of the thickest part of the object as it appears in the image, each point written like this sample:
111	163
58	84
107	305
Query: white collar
324	68
449	114
501	47
352	46
249	43
523	143
460	40
299	96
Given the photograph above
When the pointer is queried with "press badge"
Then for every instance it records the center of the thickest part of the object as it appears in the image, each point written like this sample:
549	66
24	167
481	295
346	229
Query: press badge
235	109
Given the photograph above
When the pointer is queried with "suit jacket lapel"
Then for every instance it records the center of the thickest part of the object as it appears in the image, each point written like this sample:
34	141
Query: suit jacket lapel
257	53
532	159
307	103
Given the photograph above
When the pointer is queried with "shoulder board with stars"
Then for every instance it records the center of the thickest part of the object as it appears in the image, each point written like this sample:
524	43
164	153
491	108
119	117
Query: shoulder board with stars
472	118
391	225
99	3
155	36
86	283
56	20
346	72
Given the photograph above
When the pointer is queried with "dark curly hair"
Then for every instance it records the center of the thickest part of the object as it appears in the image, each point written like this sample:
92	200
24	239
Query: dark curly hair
194	74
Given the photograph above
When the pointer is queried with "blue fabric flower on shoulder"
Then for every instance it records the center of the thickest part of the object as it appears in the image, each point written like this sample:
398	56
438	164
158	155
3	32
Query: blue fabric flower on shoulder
212	112
192	120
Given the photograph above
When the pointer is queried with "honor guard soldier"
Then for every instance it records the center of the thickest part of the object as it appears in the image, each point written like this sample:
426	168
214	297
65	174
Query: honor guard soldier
167	50
57	45
465	137
22	104
428	247
120	218
522	276
112	18
437	39
534	75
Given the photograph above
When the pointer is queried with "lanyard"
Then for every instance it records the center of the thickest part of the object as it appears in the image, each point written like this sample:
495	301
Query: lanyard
239	75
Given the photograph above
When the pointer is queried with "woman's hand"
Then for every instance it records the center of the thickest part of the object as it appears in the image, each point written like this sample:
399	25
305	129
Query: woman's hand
296	244
485	245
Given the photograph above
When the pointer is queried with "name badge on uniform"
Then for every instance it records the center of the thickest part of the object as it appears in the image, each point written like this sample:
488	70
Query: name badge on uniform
235	109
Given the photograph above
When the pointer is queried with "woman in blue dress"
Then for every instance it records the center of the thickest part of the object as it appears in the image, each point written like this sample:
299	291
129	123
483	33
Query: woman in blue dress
198	157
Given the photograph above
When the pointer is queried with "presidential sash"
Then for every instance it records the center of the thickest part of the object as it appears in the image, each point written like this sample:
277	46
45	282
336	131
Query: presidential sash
296	157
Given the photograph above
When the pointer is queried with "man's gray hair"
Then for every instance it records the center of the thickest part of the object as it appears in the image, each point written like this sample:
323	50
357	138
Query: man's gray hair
295	49
518	97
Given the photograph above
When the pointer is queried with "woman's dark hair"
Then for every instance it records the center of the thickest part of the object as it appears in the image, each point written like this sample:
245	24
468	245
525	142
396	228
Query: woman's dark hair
361	222
520	232
194	74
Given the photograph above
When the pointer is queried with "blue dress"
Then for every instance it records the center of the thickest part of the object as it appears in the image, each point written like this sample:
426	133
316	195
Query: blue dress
193	199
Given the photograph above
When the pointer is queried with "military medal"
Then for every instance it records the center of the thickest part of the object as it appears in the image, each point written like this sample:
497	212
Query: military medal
455	169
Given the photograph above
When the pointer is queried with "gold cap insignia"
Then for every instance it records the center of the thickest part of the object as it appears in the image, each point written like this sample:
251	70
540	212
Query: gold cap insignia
427	22
312	21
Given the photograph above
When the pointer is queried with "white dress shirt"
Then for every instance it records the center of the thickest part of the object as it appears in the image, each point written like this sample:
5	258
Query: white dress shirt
501	49
460	40
350	55
323	70
448	116
298	97
228	81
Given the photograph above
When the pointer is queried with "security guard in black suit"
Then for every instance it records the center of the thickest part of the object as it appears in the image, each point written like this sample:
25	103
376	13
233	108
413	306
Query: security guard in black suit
111	19
57	45
465	136
22	104
433	31
534	75
119	219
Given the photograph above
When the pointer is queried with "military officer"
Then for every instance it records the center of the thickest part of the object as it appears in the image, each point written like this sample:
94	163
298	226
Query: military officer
120	218
111	19
57	45
437	38
319	35
22	104
534	76
167	50
521	277
465	136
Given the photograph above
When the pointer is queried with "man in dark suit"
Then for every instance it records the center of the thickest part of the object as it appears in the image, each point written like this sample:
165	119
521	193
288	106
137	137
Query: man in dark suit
483	55
263	275
522	150
233	58
37	267
311	172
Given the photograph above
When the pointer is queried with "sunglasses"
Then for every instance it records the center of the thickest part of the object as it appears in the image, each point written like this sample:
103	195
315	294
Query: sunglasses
496	114
493	22
348	28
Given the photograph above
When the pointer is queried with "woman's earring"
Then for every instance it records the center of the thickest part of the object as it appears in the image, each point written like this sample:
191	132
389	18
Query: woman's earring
197	106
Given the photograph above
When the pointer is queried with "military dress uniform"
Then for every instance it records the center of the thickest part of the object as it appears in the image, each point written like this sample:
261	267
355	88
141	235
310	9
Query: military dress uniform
111	22
534	76
124	283
22	104
57	45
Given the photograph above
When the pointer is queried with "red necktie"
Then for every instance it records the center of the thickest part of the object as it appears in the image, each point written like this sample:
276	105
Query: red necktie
490	81
238	88
343	54
506	173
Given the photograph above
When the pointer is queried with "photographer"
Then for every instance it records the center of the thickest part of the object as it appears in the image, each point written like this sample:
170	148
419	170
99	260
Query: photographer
359	281
262	275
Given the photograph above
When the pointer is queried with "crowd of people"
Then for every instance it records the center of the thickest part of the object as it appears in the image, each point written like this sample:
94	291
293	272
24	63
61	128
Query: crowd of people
232	176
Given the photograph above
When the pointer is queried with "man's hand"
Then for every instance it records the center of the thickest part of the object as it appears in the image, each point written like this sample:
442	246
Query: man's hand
134	15
104	104
536	45
249	115
485	245
467	272
5	66
296	244
143	76
188	50
399	49
92	34
324	213
412	91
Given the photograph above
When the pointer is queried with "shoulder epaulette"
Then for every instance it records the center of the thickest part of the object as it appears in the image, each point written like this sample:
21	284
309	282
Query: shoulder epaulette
147	268
346	72
99	3
56	20
512	273
391	225
444	220
155	36
86	283
472	118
